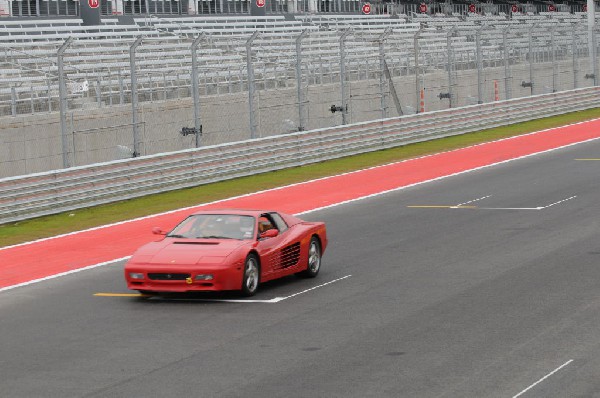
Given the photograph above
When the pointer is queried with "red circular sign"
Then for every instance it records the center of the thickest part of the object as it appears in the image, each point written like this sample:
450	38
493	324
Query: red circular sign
94	3
514	8
585	7
260	3
551	7
366	8
472	8
423	8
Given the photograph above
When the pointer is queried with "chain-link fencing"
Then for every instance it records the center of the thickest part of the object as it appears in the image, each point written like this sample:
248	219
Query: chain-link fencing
82	101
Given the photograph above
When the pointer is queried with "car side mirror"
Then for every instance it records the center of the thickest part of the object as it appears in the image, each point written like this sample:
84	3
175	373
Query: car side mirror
158	231
270	233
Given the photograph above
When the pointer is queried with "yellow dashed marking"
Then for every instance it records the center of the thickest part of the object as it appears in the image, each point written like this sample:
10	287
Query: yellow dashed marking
119	295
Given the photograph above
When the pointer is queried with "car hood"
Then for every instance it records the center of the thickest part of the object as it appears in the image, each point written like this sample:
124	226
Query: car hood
187	251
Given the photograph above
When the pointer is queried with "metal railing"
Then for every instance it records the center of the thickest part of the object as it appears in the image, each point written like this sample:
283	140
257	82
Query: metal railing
63	190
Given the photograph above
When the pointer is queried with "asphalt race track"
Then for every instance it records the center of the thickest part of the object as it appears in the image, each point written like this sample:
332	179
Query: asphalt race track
478	285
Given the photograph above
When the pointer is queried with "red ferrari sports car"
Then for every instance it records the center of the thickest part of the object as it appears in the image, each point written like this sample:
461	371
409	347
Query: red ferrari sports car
227	250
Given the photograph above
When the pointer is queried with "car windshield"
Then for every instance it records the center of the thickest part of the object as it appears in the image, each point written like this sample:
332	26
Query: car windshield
215	226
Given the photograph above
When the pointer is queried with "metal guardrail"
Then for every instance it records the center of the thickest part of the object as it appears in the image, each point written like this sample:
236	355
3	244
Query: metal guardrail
57	191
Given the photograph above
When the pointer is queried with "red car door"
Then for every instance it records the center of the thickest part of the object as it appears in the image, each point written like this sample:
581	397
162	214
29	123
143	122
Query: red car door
289	255
279	254
268	249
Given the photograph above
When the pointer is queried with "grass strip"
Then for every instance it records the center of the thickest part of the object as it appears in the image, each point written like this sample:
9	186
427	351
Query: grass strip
42	227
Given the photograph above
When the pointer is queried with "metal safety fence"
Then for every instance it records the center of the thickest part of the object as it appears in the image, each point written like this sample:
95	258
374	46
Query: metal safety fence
63	190
167	86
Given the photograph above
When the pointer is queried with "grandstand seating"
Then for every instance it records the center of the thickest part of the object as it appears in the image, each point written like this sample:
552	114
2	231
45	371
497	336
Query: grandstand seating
99	55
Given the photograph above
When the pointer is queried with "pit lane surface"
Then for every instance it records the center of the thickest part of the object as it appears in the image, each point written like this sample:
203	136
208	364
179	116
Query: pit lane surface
479	285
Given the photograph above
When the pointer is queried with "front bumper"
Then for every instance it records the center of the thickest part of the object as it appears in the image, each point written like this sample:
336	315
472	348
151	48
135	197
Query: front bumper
224	278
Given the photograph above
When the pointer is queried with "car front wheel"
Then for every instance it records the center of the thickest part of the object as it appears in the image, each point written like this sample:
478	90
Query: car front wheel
251	276
314	258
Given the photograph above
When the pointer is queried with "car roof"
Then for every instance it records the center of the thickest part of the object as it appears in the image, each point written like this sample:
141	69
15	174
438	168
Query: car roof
239	212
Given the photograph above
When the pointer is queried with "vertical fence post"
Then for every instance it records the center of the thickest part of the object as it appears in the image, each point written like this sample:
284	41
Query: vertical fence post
479	65
121	88
301	121
530	56
13	101
343	75
553	59
99	92
134	97
62	93
110	90
574	53
450	55
72	127
32	106
417	67
382	79
591	22
48	96
251	87
594	58
196	89
507	74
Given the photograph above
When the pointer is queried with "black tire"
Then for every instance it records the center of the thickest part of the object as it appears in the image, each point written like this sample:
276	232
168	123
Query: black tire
147	292
251	277
313	265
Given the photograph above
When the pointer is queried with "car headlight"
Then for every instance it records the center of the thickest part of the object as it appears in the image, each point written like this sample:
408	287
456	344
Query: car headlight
204	277
136	275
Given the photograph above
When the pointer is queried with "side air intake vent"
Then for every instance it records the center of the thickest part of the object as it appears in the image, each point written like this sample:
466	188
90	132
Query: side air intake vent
290	255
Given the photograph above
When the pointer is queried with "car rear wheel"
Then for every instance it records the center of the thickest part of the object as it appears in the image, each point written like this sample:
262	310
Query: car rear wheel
251	276
314	258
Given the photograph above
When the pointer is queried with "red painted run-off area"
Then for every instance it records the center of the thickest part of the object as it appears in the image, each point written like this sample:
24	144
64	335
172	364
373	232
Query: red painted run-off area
41	259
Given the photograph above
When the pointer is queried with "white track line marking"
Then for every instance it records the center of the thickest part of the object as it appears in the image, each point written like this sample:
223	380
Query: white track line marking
334	176
526	208
560	201
273	300
474	200
509	208
315	287
462	205
543	378
63	274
